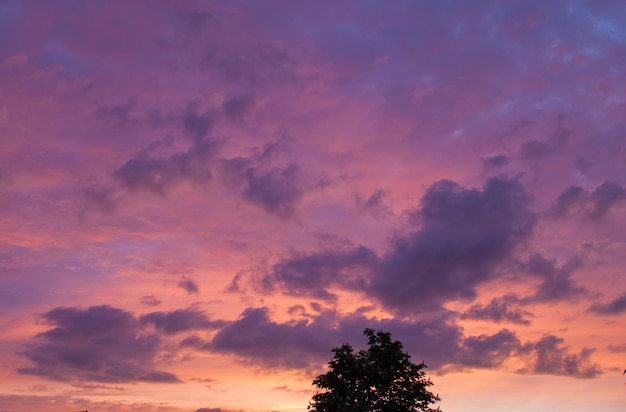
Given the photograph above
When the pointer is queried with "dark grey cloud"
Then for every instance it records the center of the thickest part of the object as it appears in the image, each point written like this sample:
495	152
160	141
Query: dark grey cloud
495	161
465	234
98	344
616	306
181	320
556	282
189	285
549	356
593	205
498	310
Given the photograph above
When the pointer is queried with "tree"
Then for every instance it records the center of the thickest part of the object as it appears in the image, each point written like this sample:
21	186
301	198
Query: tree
379	379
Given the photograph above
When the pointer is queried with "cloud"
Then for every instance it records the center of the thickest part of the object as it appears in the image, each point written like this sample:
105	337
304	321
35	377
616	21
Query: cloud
158	174
498	311
375	204
311	274
604	197
593	205
97	344
495	161
556	282
436	340
181	320
189	285
118	114
307	343
99	197
534	149
488	351
465	233
257	65
198	125
149	300
549	356
615	307
255	336
617	348
568	200
275	189
238	106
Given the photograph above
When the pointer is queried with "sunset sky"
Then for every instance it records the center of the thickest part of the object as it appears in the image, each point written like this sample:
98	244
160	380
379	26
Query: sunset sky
200	199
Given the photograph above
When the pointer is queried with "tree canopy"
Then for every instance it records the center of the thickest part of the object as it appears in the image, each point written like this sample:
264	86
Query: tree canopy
379	379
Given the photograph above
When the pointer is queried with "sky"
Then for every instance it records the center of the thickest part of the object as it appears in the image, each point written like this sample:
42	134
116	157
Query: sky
200	199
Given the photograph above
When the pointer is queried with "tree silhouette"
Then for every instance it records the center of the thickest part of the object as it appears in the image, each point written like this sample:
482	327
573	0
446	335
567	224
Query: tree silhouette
379	379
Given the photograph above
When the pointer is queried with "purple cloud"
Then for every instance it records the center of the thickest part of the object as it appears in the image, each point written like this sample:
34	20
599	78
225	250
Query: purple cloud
277	189
100	198
188	285
464	235
592	205
238	106
616	306
438	341
549	356
307	343
311	274
375	204
495	161
158	174
98	344
198	125
149	300
119	114
498	310
556	282
181	320
488	351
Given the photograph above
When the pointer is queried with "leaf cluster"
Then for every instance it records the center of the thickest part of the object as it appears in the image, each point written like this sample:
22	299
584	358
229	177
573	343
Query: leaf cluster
379	379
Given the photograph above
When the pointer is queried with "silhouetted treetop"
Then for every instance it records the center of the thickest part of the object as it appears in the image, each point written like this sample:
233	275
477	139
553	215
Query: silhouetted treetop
379	379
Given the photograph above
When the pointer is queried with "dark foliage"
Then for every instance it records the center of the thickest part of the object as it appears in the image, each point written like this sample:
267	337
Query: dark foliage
379	379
